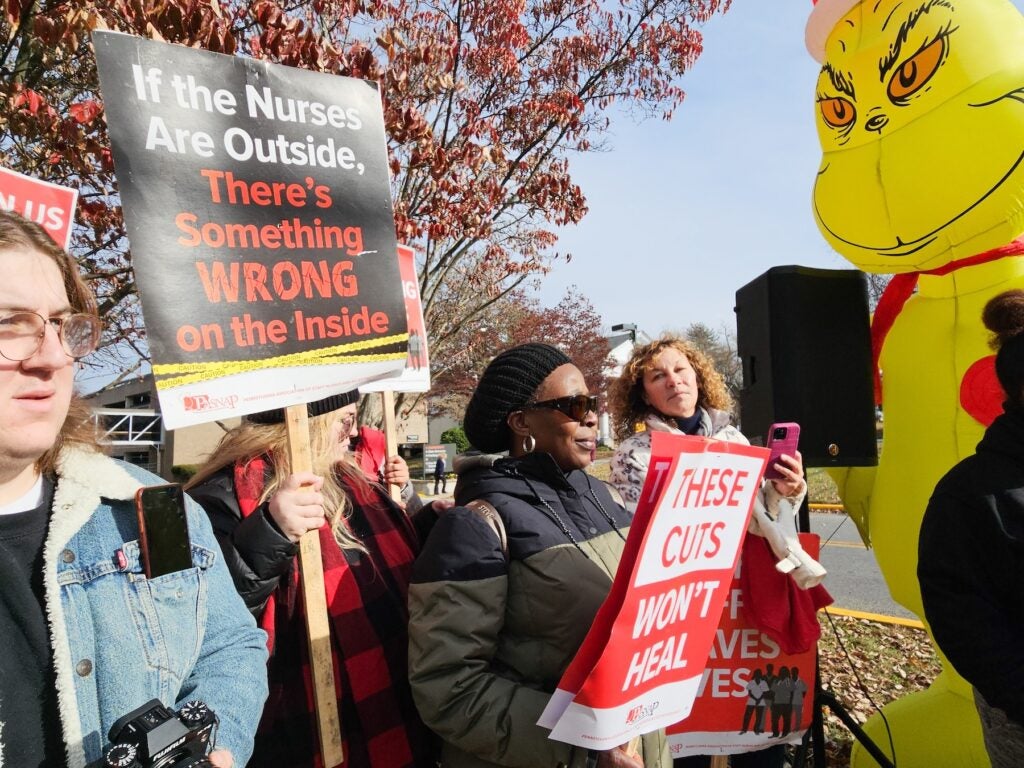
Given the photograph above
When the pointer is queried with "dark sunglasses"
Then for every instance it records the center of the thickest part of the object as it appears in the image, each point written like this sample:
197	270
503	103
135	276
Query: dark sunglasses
576	407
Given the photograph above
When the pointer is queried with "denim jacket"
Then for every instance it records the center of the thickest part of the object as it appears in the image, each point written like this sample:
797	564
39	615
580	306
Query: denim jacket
119	639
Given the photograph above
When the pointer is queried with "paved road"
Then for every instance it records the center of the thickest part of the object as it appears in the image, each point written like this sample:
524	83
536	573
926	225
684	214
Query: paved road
853	576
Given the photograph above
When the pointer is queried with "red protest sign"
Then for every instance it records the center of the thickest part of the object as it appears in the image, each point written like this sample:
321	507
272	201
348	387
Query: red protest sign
416	375
597	638
744	697
51	206
641	665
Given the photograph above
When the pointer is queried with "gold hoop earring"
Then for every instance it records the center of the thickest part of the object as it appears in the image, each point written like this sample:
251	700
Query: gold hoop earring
529	443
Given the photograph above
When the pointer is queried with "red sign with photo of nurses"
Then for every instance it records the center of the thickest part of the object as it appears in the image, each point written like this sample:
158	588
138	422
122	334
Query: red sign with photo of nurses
752	693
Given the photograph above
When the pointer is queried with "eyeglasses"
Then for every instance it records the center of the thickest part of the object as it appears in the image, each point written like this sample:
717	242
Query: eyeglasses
22	334
576	407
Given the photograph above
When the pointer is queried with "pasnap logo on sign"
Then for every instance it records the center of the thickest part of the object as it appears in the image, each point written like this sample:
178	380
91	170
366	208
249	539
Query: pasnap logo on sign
640	712
207	403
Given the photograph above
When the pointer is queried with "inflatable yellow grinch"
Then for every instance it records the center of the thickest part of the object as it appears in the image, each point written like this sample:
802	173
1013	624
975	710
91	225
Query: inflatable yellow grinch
921	122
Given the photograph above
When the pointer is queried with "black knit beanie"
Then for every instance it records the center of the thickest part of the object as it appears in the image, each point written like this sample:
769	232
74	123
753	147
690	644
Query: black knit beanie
507	385
316	408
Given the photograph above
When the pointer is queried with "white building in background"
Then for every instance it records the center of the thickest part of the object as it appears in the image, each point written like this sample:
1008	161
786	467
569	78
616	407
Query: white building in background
621	341
129	423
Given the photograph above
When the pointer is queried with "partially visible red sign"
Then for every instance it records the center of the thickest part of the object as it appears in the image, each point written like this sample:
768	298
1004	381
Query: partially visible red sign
416	375
641	665
51	206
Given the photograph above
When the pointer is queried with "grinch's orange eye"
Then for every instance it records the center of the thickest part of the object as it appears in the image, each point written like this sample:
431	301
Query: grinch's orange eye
837	111
913	73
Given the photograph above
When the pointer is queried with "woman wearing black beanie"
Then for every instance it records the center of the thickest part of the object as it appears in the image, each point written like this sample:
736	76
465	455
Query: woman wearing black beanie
497	612
971	552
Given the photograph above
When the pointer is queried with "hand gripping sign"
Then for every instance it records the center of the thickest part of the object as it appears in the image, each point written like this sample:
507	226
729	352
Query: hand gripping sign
415	377
258	205
641	664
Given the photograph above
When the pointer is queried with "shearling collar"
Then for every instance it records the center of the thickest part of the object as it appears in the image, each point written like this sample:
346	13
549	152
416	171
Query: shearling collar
83	478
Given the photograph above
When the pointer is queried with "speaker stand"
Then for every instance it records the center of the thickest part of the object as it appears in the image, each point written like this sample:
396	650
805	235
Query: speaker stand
816	733
823	698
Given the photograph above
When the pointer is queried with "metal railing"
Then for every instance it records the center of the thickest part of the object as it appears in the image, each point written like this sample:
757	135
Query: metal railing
129	426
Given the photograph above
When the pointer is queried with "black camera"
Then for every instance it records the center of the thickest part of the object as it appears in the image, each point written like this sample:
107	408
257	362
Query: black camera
154	736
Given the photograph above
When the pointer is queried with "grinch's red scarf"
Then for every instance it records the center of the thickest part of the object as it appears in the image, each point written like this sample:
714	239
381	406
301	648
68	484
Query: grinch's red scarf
901	287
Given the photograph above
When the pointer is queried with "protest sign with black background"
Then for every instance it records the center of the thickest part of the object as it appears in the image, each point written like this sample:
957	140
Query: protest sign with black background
258	208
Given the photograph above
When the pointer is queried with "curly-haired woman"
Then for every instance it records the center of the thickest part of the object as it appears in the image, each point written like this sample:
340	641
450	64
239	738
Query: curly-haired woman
671	386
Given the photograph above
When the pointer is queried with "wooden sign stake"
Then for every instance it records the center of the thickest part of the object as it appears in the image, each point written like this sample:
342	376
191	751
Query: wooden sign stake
318	629
391	436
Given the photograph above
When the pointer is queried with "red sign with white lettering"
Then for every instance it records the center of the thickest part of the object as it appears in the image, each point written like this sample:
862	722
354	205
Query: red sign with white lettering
49	205
415	377
641	665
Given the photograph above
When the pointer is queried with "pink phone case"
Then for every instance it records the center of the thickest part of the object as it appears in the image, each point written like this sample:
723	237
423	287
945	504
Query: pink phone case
783	445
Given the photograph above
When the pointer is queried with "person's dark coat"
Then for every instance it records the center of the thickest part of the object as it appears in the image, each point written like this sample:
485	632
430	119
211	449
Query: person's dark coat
257	553
490	637
971	565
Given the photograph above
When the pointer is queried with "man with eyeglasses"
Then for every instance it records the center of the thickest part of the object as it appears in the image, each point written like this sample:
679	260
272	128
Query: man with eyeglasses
87	638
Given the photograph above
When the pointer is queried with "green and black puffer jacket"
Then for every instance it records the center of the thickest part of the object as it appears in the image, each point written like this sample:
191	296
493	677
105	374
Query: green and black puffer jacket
489	638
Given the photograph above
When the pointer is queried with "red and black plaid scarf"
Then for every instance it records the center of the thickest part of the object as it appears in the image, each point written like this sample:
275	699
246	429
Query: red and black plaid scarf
366	602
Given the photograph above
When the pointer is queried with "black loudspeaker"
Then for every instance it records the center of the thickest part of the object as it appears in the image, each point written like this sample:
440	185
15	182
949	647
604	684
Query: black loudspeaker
805	341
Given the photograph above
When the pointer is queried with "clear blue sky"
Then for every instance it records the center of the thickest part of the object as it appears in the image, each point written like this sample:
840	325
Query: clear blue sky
683	213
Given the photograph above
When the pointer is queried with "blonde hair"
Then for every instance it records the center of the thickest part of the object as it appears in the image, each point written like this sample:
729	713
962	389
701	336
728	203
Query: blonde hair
250	440
626	399
17	232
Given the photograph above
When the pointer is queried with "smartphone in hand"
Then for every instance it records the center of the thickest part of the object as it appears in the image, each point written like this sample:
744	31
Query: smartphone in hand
783	438
163	530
